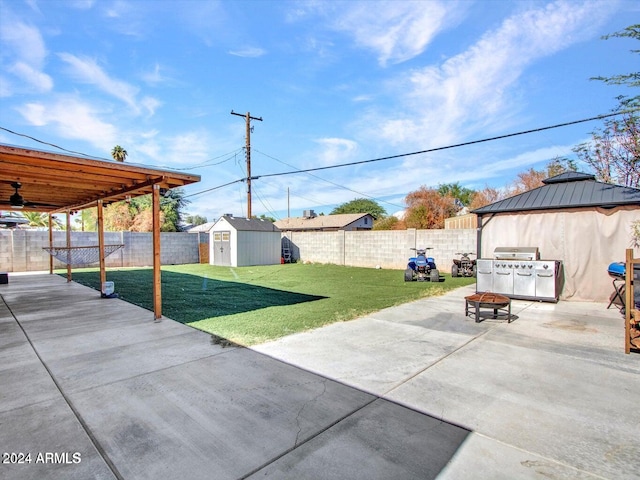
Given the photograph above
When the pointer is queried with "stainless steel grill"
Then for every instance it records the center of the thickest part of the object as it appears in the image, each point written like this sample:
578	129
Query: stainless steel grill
516	253
518	272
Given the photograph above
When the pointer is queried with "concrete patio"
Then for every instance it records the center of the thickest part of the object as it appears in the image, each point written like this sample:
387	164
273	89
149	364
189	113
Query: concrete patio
93	388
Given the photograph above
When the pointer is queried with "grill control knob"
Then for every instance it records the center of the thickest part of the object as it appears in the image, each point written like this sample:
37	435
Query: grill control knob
545	266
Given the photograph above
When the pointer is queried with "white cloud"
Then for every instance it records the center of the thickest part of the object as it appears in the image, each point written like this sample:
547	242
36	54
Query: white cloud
150	104
39	80
187	148
87	70
248	52
72	119
156	76
25	51
82	4
336	150
471	90
395	31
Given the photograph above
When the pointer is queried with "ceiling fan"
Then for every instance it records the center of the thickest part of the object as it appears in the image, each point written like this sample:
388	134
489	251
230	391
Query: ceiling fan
17	201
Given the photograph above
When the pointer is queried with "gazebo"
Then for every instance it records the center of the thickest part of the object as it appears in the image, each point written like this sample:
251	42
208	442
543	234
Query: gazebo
53	183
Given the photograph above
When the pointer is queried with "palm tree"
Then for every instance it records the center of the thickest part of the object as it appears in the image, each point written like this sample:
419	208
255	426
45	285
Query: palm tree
40	220
118	153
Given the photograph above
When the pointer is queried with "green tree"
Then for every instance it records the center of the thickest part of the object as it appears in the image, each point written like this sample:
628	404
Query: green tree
264	217
195	220
361	205
39	219
87	220
629	79
614	150
118	153
172	204
387	223
462	194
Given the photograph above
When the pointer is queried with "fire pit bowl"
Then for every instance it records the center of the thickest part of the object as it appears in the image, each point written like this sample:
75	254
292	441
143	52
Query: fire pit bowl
500	304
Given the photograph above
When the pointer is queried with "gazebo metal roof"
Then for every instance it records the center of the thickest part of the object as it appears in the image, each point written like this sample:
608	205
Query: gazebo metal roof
567	190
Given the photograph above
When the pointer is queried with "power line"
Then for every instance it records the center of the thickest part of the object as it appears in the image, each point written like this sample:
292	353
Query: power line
215	188
230	156
330	182
429	150
50	144
472	142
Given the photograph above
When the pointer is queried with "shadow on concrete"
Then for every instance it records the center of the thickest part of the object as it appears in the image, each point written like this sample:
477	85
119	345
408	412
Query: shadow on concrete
158	401
189	298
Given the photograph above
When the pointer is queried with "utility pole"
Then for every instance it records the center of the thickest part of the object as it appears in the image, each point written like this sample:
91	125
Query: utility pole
248	118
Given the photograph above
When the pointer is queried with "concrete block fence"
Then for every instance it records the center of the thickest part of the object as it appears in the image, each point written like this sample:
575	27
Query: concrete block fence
386	248
22	250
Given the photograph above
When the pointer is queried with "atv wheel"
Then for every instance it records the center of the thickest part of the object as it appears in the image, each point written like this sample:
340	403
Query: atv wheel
408	275
434	276
454	271
475	272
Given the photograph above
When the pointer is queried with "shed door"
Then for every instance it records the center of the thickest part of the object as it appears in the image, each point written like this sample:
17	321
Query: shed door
222	248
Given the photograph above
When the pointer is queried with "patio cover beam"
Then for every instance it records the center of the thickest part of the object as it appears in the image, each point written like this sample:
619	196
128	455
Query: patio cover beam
56	183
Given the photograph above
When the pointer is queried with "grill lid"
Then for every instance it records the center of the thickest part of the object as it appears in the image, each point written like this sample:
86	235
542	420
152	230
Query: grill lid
516	253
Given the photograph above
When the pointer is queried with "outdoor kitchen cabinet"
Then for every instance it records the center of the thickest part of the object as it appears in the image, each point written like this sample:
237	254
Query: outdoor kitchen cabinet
518	272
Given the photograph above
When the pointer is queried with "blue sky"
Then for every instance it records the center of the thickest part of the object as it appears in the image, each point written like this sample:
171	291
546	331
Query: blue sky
334	82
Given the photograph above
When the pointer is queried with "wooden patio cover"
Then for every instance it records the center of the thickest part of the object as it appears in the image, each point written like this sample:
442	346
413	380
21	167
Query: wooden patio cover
56	183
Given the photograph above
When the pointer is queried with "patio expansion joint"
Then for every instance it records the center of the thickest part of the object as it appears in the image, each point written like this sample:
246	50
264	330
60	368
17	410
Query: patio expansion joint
441	359
69	403
151	372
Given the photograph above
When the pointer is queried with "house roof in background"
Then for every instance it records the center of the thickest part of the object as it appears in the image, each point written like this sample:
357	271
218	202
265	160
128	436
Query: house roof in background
52	182
567	190
320	222
249	224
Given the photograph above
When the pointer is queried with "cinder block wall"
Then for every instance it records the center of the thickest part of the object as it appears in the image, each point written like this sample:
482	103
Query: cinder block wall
21	250
387	248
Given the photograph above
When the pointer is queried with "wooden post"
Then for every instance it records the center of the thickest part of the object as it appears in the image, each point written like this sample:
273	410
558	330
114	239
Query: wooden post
68	246
50	244
157	279
103	272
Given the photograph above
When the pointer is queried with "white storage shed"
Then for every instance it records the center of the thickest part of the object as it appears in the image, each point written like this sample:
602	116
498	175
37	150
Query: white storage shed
242	242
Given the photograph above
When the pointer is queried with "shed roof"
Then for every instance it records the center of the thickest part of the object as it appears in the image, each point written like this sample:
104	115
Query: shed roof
567	190
249	224
52	182
320	222
204	228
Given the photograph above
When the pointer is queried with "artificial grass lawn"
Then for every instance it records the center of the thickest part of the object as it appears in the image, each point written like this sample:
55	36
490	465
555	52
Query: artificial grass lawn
250	305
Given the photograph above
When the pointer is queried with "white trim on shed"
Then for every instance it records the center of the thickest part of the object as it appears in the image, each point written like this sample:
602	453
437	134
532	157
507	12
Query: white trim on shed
250	242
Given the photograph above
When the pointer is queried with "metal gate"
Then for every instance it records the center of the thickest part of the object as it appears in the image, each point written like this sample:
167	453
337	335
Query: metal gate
222	248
